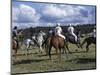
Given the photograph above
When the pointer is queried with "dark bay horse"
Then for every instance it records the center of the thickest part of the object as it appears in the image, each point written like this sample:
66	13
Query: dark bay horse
58	43
89	41
71	39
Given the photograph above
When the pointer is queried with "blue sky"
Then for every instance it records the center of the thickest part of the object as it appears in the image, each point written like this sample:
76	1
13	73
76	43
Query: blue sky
27	14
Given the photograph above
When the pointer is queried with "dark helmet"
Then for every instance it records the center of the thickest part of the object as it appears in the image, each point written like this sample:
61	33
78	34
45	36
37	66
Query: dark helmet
15	27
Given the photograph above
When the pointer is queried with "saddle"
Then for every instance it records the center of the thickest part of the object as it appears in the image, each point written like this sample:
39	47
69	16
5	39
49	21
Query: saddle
71	36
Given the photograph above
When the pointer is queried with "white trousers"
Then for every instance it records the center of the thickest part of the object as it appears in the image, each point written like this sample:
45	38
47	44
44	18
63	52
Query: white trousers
61	36
74	36
92	35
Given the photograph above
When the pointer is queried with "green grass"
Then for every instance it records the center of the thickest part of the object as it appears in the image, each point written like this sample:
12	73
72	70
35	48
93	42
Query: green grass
34	62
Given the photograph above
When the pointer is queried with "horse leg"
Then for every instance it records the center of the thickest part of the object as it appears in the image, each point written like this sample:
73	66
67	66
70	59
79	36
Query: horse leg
41	50
46	49
26	53
68	48
87	47
81	45
59	54
27	48
78	45
15	53
50	52
64	50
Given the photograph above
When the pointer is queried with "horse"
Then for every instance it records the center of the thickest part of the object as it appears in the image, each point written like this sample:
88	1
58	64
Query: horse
89	41
71	39
39	40
20	37
15	47
28	42
58	43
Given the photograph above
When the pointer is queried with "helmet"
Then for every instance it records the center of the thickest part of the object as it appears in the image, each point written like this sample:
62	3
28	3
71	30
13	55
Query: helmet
58	24
15	27
49	24
70	25
94	30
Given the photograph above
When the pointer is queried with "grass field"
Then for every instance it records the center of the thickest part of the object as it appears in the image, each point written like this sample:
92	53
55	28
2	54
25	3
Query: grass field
34	62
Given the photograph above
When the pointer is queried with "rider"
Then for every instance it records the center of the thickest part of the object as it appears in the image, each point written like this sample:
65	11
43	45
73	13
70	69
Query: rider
15	33
71	31
93	34
50	31
58	31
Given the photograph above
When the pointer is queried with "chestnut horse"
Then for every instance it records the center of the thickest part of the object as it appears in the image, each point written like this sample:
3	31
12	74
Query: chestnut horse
58	43
15	47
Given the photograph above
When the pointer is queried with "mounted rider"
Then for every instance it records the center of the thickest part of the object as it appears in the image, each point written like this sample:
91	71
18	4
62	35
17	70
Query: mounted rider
15	33
71	32
58	31
93	34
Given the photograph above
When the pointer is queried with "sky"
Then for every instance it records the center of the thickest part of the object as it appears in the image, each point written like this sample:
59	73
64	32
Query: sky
33	14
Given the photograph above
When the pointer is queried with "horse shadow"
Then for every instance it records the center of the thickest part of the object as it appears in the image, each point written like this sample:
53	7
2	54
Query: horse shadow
47	54
82	60
29	61
76	51
85	60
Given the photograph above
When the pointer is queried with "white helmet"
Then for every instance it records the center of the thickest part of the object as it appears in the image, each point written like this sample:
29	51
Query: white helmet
58	24
94	30
49	24
70	25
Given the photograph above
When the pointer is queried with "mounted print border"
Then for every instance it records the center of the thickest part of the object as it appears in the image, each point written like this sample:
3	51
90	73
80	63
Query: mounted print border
33	27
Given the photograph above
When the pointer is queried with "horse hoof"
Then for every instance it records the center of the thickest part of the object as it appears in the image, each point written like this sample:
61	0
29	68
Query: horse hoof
70	52
76	50
86	51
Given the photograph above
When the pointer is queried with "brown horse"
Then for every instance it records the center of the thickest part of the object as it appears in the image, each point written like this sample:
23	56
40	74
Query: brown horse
15	47
20	37
88	41
58	43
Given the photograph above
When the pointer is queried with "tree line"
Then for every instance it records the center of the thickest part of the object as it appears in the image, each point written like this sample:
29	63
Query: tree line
85	29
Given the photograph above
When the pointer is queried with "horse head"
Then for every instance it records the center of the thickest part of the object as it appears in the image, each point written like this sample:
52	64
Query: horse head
43	34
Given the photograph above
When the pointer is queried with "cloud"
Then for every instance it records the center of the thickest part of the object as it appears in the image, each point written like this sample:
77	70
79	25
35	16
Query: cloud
40	14
24	13
67	13
15	14
53	11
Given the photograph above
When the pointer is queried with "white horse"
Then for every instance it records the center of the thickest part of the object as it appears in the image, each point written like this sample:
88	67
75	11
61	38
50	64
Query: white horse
39	40
28	42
